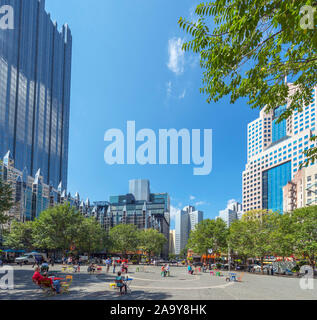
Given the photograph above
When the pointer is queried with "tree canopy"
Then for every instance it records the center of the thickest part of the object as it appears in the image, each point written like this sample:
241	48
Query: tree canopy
151	241
124	238
248	48
209	234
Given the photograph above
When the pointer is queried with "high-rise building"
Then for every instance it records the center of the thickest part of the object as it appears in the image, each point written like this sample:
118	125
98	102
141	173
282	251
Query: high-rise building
152	210
172	242
231	213
35	77
275	153
140	189
185	221
301	191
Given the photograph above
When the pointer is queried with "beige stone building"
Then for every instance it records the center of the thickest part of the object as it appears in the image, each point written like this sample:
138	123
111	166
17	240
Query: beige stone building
172	242
301	191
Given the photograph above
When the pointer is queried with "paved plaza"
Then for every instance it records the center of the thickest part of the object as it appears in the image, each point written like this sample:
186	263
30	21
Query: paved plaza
148	284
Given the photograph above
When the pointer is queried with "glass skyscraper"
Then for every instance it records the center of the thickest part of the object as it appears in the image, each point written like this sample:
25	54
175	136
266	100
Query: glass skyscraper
275	154
35	77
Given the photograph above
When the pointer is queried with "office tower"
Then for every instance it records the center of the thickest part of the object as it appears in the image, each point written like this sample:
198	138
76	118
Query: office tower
301	191
186	221
275	153
141	208
35	76
231	213
140	189
172	242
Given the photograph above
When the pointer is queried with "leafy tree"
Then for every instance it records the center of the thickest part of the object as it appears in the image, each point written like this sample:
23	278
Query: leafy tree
124	238
305	232
240	239
91	236
209	234
260	233
255	214
247	48
282	236
172	256
183	252
151	241
57	228
20	236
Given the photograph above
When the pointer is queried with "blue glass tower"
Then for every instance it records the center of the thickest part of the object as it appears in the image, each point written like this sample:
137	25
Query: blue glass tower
35	76
278	128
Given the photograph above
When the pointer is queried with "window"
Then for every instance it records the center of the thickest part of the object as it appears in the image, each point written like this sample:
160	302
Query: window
308	178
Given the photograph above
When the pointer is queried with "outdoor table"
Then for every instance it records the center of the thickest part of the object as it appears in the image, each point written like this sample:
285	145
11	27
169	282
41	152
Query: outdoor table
127	283
233	276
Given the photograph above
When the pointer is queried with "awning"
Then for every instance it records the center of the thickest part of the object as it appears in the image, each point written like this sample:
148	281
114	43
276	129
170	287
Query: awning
13	251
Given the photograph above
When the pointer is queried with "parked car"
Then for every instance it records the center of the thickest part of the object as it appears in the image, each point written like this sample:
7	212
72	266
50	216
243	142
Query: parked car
226	266
241	267
30	258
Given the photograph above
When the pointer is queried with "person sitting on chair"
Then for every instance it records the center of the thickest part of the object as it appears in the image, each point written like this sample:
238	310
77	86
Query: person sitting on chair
120	283
42	280
44	267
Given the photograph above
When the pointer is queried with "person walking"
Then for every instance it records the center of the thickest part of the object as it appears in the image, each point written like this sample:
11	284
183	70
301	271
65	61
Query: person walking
108	262
114	266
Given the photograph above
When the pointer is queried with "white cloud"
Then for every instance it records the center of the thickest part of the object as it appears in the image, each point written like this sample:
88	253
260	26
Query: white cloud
169	88
176	55
182	95
201	203
231	201
192	197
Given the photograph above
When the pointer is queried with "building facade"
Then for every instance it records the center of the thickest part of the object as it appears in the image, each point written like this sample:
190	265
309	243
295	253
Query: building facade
231	213
31	195
275	153
35	77
151	211
185	221
172	242
301	191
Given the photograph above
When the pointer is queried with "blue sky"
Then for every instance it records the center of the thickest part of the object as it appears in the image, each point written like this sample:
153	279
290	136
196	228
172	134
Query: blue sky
127	65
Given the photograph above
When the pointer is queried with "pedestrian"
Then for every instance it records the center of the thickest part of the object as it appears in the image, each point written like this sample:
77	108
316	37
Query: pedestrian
108	262
167	269
272	271
114	266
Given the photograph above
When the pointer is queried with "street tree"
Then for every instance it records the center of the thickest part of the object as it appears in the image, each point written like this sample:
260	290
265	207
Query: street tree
20	236
305	233
91	236
57	228
151	242
248	48
124	238
282	235
240	240
209	234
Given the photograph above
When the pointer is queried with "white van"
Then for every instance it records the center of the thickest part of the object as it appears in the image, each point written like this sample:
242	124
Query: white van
30	258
